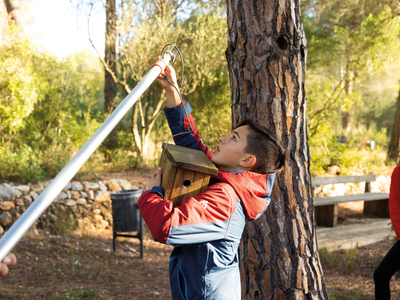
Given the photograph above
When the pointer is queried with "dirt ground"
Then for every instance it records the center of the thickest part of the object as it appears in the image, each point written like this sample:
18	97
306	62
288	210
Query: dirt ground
83	265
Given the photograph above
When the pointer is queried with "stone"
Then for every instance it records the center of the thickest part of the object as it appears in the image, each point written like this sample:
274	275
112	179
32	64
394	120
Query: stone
97	211
27	200
113	186
102	186
104	209
15	193
24	189
97	218
62	196
107	204
108	217
38	187
70	202
46	183
83	195
7	186
77	186
125	184
86	186
94	186
74	208
54	218
67	187
81	201
19	202
75	195
4	194
34	195
1	229
91	195
7	205
5	218
104	223
102	196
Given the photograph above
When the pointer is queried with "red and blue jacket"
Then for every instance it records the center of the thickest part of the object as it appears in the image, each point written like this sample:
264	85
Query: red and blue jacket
394	201
205	230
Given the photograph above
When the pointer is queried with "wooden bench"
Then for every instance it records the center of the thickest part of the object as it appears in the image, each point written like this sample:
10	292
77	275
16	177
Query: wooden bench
326	208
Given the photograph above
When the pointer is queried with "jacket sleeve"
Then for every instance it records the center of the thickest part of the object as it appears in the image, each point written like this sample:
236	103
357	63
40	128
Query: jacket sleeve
198	219
183	128
394	201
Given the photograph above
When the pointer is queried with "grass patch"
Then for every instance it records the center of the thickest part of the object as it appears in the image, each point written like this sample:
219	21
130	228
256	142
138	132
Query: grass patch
328	258
72	293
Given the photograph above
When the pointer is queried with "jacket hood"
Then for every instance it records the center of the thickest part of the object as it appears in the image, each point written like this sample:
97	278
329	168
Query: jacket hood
253	189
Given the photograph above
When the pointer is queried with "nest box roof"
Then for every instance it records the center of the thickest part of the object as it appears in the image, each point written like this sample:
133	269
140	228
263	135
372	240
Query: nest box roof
187	158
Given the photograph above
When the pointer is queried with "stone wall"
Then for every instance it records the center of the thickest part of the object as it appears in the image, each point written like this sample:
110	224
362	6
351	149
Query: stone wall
87	203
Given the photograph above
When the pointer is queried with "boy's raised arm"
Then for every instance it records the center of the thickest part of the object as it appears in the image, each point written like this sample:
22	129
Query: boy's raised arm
178	116
173	98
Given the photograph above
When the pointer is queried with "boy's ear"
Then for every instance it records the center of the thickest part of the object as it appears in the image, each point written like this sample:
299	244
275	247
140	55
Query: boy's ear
248	162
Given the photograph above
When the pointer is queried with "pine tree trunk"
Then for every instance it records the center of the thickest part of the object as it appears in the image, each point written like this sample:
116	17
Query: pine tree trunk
266	56
394	144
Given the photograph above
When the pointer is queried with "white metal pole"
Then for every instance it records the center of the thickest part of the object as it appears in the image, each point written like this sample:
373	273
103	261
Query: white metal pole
35	210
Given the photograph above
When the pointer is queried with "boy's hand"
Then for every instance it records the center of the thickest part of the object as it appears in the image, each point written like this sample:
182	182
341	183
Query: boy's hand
155	179
169	73
9	260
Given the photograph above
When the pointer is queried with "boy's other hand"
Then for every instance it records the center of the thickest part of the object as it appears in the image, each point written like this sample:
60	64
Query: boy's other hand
155	179
9	260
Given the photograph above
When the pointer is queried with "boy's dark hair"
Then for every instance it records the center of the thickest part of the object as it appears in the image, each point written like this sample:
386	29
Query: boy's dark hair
265	147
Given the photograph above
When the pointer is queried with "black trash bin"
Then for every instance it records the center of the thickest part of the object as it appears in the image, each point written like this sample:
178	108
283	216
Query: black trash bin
126	215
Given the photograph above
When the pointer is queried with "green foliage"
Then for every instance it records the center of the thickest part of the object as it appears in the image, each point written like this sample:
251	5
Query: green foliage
328	258
351	255
75	293
339	294
18	92
48	109
352	68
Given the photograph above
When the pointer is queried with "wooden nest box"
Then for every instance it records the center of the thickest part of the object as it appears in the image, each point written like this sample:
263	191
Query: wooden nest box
185	172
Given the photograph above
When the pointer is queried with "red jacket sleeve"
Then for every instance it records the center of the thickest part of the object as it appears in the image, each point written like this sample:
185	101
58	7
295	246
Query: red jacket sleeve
394	201
198	219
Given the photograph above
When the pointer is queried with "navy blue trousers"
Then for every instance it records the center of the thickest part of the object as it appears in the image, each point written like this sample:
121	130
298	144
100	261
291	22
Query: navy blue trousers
386	269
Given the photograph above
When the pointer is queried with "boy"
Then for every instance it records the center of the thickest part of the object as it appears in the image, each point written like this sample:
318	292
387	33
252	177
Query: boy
206	230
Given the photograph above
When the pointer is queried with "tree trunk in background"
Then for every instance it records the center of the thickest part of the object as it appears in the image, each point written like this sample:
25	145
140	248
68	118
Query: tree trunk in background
346	118
110	86
266	56
12	7
394	144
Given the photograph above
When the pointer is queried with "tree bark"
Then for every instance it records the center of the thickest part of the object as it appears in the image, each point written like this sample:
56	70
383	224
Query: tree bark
394	144
266	56
110	86
13	9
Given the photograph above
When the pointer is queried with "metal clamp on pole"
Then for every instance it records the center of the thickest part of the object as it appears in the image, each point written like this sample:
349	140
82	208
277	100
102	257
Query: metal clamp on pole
35	210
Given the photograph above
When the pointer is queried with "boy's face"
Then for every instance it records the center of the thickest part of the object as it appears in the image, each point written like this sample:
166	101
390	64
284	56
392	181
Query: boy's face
230	153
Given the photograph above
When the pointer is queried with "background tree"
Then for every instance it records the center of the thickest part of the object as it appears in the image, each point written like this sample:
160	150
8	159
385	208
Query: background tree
110	60
349	40
266	58
13	9
394	144
143	29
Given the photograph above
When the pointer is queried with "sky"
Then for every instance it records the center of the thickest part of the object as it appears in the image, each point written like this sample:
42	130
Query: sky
57	26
